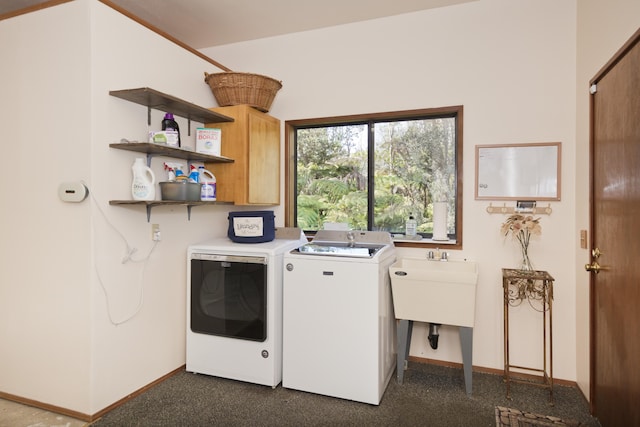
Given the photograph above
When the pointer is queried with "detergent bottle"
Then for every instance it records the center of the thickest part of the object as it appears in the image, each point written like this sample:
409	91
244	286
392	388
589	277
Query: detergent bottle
208	181
143	183
169	124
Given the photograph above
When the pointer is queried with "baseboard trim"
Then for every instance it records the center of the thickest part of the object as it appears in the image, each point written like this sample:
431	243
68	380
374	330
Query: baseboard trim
47	407
82	416
519	375
136	393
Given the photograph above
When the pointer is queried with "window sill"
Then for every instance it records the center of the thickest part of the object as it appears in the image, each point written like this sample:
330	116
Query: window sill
402	241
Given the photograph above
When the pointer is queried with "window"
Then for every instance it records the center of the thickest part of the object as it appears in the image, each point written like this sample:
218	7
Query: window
374	171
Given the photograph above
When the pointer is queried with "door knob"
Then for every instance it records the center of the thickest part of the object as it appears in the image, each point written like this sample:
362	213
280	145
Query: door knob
595	267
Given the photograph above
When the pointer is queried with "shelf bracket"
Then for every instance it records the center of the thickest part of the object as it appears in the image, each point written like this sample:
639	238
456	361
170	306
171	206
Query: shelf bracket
189	126
189	212
148	116
149	213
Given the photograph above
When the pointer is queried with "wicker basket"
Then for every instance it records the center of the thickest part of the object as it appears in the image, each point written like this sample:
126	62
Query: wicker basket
231	88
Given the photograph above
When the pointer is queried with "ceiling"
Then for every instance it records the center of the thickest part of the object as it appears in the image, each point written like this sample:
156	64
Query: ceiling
206	23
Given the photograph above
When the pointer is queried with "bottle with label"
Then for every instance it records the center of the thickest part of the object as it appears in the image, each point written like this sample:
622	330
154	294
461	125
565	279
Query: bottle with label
178	170
168	123
194	174
143	183
411	226
208	189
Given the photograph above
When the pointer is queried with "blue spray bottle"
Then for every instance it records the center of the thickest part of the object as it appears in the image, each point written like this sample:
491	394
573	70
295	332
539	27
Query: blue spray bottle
194	175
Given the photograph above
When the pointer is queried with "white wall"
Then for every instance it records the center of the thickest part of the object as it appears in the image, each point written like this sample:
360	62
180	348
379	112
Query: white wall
44	279
58	344
512	66
603	28
515	77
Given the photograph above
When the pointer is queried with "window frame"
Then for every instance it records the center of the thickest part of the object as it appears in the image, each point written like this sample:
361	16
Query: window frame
290	160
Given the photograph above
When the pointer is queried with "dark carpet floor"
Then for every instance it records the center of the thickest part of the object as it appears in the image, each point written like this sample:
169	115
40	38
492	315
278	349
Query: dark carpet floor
431	395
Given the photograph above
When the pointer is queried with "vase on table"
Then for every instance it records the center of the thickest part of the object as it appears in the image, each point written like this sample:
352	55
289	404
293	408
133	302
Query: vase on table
525	264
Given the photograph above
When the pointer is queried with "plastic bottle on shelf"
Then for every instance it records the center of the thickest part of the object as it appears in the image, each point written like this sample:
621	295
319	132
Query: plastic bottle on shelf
411	226
178	170
194	174
143	183
171	172
208	181
168	123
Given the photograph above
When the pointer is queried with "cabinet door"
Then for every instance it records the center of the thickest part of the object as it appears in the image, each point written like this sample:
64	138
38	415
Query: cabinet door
264	160
253	141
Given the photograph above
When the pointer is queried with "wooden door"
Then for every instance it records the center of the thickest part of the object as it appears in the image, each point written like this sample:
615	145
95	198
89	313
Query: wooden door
615	227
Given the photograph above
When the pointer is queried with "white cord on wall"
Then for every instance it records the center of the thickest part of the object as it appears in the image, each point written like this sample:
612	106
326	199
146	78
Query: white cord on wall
128	257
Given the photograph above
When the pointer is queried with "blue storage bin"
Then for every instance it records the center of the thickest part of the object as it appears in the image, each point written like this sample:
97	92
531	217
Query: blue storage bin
251	226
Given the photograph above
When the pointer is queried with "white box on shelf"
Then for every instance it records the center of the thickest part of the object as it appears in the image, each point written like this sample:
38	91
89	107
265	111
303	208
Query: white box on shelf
208	141
168	137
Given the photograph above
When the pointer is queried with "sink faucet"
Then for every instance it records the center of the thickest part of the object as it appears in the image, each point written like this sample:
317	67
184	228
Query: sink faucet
438	256
351	237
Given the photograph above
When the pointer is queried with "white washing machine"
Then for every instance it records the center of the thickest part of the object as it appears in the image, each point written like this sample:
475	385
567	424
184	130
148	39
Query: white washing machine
234	309
338	321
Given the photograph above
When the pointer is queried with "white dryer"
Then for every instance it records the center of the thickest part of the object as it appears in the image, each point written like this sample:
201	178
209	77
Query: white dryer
234	309
338	320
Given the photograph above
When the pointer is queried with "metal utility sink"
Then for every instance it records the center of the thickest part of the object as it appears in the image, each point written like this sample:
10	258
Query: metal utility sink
440	292
435	291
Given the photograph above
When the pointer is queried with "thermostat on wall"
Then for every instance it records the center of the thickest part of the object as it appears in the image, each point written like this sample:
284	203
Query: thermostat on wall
72	192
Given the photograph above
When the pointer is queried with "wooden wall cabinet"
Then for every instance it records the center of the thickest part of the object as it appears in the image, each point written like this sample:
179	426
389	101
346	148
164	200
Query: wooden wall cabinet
253	141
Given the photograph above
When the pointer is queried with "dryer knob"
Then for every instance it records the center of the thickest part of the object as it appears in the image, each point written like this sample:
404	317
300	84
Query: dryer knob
289	267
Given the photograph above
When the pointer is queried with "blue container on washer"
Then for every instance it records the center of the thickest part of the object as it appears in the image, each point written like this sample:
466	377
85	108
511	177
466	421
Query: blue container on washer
251	226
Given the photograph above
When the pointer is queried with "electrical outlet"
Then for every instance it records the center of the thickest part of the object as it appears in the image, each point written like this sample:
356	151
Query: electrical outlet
155	232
